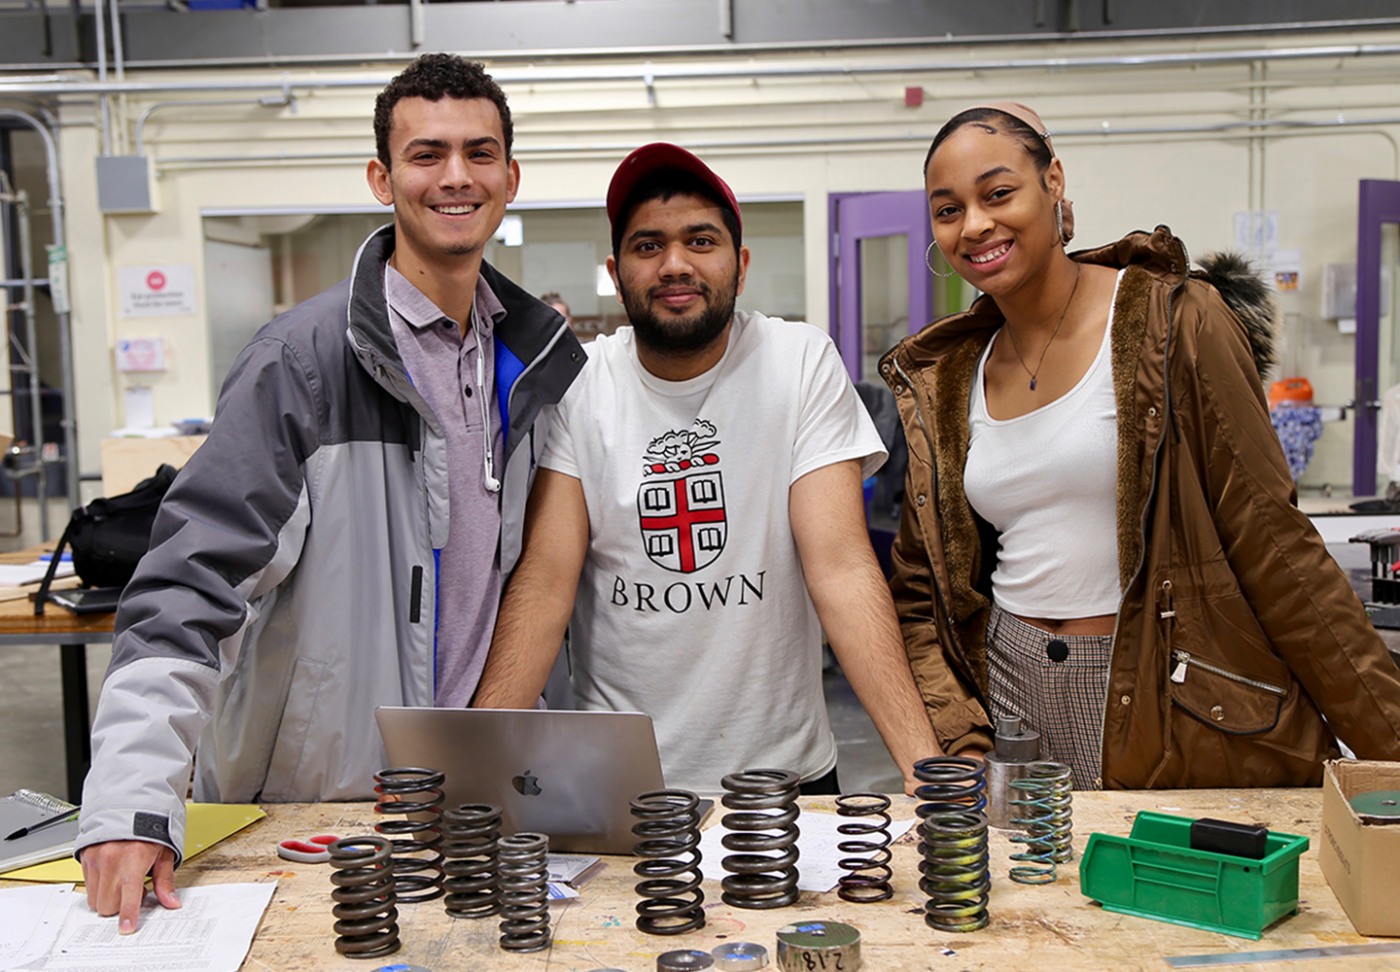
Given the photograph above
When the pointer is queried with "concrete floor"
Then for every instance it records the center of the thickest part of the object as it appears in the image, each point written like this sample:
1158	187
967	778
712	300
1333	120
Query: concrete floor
31	726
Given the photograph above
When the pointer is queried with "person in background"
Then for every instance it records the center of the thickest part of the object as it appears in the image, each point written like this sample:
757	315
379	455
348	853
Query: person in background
1099	532
339	541
699	513
553	299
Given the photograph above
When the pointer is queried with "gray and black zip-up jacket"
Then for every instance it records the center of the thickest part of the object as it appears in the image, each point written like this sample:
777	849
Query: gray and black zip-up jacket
291	583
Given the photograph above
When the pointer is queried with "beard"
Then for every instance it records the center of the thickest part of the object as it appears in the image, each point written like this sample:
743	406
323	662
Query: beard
681	335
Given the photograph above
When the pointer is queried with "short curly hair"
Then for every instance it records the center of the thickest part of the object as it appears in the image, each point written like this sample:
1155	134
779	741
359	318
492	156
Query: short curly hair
434	77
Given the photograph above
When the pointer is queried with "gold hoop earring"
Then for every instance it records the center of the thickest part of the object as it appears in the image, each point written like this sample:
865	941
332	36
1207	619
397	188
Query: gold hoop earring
928	262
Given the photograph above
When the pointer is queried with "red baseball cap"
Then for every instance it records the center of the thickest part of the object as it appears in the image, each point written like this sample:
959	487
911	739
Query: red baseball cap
656	157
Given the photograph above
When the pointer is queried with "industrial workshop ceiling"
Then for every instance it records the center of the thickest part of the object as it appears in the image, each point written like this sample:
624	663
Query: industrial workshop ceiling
39	35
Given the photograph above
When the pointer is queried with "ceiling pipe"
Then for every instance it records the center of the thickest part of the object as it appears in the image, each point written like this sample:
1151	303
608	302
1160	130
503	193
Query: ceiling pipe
766	47
104	108
1244	128
662	72
267	101
415	23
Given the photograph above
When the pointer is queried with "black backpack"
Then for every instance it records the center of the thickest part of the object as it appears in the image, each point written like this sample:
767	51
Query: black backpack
110	535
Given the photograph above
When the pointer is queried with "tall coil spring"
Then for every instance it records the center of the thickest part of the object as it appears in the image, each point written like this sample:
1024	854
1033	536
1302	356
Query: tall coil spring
471	845
953	842
524	897
412	792
869	872
764	830
366	917
1044	811
668	832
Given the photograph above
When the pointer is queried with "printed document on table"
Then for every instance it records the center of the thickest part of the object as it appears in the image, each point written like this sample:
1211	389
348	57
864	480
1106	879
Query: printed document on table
817	863
33	917
211	932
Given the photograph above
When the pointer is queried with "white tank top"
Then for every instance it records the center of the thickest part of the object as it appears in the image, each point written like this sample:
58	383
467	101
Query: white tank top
1047	481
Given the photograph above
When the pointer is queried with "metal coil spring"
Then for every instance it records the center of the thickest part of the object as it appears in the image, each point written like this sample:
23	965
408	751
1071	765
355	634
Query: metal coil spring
764	830
366	918
1044	812
524	897
471	843
417	860
953	842
668	832
868	877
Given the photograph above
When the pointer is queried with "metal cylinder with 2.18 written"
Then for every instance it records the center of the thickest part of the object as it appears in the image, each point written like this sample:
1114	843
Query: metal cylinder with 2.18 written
818	946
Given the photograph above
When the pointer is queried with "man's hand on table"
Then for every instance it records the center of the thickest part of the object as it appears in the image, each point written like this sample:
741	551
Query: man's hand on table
115	874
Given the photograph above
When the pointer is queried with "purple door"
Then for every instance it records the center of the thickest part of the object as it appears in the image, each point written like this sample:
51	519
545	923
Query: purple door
881	288
1377	340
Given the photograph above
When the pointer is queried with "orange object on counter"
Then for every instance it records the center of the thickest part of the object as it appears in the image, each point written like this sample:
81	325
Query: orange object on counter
1296	390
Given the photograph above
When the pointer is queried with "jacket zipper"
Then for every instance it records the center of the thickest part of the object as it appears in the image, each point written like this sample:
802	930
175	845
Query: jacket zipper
1184	660
1151	491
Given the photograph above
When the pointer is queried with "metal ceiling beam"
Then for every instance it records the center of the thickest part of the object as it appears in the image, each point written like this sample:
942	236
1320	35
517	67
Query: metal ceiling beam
288	35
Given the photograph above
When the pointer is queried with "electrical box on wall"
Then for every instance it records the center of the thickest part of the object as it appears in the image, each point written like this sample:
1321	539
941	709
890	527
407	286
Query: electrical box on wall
1338	291
124	184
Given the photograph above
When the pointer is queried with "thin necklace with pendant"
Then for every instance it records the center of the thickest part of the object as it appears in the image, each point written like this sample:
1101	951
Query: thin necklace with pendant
1078	272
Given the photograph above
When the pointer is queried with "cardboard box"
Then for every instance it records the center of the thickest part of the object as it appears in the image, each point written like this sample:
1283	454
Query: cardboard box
1361	859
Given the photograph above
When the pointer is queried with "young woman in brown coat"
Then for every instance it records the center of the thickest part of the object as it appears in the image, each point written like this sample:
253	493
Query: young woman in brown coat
1099	532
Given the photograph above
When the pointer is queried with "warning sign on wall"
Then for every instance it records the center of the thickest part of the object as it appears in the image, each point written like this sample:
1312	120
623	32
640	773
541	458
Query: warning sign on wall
157	291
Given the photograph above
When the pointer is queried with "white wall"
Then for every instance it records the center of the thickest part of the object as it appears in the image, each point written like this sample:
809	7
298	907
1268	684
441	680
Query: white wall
800	137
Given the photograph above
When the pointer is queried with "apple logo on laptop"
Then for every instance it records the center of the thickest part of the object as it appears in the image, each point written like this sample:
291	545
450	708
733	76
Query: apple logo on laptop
526	784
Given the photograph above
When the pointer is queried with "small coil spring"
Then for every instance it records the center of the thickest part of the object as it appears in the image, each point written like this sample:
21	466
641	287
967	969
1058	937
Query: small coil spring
524	898
366	918
406	792
668	832
953	842
471	843
1044	811
764	830
868	877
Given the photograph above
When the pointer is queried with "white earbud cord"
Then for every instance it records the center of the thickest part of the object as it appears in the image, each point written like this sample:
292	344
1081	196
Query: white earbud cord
492	483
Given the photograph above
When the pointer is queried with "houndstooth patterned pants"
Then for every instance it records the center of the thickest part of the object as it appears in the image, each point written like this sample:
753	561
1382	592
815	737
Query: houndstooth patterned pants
1061	700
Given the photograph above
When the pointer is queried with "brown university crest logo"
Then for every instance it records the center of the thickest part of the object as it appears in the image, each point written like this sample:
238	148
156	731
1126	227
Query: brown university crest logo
680	503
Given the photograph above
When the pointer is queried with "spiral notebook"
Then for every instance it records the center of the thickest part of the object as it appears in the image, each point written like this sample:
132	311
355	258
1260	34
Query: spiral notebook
24	808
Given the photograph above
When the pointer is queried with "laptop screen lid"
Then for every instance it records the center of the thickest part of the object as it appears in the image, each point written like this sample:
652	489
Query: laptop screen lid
565	773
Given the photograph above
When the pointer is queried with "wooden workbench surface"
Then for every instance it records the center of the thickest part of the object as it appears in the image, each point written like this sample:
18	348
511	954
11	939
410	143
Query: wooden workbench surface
1047	927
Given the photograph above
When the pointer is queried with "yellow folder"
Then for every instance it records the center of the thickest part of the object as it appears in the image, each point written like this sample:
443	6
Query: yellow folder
205	825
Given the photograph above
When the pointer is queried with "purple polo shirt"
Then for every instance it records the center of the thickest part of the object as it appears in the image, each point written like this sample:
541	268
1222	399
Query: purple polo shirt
443	367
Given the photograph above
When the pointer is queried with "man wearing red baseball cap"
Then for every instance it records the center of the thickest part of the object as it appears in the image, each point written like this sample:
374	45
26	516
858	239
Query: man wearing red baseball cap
697	520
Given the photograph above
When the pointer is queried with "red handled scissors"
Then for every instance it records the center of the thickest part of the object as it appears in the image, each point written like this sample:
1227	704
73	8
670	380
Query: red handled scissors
309	851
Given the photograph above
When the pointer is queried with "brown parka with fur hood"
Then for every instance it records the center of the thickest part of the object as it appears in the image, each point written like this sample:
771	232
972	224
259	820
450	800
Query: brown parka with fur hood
1237	632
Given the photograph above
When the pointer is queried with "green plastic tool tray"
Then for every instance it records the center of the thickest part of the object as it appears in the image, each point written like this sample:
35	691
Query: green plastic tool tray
1154	873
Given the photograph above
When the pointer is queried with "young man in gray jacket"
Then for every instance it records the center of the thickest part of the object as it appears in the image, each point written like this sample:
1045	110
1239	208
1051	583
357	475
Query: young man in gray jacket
339	541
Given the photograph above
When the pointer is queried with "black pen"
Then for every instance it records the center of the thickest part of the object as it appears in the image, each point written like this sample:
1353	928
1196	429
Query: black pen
46	822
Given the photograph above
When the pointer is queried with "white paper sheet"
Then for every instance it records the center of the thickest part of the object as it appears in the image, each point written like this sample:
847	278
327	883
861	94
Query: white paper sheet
33	917
13	575
817	867
212	932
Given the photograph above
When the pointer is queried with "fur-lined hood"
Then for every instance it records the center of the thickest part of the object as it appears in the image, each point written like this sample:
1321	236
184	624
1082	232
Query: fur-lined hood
1249	297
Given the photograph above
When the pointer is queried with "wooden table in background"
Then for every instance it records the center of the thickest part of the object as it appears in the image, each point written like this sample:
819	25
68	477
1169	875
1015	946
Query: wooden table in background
72	633
1045	927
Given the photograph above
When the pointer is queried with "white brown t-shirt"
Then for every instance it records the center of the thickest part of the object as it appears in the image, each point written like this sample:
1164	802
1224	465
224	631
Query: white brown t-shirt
692	606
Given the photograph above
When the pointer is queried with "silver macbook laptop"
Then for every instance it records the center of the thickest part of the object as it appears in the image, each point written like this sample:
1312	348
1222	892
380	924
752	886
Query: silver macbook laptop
571	775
